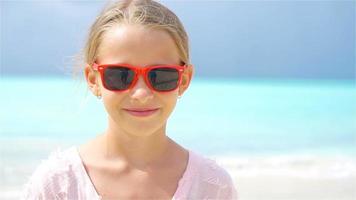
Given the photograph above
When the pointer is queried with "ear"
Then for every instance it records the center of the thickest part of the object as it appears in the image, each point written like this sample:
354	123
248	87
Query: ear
186	78
92	80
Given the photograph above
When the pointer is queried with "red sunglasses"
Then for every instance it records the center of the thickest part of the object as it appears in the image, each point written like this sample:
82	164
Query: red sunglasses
121	77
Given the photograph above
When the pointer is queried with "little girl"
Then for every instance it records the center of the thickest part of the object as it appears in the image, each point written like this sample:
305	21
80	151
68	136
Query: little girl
137	62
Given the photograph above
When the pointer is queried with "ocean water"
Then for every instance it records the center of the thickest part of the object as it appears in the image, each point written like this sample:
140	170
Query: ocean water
214	116
243	124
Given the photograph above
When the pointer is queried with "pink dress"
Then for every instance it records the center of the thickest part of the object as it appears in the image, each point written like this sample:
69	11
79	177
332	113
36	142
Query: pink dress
63	176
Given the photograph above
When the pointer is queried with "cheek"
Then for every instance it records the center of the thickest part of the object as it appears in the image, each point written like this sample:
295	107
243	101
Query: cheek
112	101
169	102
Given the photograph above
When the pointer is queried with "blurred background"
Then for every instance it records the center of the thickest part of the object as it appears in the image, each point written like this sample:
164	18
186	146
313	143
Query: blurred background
272	99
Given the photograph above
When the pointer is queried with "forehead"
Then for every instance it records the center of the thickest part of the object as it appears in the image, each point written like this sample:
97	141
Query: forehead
137	45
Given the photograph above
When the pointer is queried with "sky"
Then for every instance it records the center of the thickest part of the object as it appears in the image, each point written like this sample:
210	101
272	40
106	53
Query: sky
234	39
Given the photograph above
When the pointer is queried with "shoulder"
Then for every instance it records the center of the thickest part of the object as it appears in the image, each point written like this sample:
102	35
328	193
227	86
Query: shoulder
213	178
210	171
52	175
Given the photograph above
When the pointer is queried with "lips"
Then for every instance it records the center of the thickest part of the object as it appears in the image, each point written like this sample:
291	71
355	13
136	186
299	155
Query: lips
140	109
141	112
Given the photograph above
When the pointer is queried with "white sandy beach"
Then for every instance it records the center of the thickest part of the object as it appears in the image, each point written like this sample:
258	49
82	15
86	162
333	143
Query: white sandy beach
296	178
293	188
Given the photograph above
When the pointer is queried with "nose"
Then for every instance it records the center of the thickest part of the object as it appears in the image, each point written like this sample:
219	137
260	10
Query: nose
141	92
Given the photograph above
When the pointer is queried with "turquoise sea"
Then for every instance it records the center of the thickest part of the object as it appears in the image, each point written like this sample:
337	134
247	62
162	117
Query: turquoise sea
215	116
221	118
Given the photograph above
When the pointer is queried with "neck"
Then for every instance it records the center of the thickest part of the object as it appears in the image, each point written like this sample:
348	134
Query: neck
138	151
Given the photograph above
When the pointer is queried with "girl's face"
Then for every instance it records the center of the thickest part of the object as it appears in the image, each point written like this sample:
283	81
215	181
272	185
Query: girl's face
138	46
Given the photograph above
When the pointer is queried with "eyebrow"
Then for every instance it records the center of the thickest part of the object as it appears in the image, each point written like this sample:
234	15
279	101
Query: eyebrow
158	64
181	63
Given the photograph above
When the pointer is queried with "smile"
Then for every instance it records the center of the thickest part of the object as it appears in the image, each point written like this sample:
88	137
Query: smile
141	112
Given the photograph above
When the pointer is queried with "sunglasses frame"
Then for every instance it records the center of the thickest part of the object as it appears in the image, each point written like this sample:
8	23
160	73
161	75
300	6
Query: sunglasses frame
138	70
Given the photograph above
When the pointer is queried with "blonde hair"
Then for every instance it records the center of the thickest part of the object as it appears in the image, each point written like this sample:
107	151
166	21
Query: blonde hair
147	13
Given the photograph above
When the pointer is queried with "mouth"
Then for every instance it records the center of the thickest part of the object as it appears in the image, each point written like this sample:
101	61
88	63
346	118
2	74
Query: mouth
141	112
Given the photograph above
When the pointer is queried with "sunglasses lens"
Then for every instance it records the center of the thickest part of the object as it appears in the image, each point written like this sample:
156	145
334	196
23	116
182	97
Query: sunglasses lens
163	79
118	78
